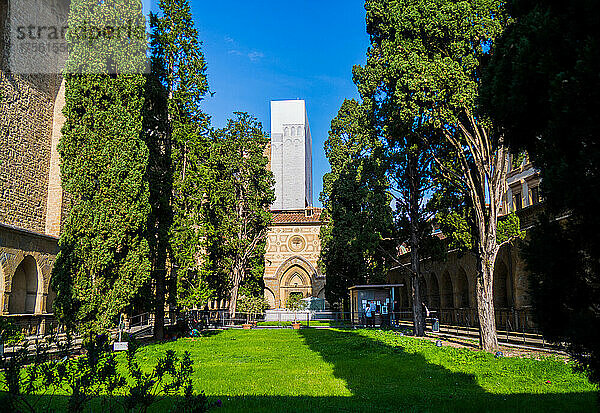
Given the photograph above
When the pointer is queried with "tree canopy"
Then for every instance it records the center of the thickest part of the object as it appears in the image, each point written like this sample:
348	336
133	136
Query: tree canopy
357	212
542	89
239	191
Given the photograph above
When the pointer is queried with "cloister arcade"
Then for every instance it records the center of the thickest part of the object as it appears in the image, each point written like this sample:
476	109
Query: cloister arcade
25	292
448	288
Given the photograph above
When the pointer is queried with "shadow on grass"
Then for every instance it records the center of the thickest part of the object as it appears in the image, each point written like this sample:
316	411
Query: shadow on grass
387	378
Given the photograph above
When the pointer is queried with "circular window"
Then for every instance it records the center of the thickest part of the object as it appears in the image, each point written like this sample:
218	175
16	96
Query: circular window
296	243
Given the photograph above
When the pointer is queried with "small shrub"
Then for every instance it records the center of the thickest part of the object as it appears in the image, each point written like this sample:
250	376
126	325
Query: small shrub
94	376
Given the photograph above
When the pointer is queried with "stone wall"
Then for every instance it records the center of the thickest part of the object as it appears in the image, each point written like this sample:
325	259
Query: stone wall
27	122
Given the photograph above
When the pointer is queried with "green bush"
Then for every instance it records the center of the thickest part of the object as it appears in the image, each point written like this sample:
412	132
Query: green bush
9	333
93	381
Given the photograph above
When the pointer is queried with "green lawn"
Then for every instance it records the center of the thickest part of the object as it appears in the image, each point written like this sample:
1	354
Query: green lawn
283	370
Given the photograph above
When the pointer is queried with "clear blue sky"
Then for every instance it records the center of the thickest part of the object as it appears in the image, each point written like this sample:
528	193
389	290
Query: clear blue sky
264	50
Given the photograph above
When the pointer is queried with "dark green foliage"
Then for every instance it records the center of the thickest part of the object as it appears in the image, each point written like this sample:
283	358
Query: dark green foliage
566	286
239	190
543	89
9	332
179	67
93	381
356	205
103	263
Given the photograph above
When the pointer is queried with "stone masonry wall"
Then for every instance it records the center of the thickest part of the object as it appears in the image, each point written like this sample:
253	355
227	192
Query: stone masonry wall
26	116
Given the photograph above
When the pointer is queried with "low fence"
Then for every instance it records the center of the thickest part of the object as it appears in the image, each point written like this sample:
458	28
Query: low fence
513	326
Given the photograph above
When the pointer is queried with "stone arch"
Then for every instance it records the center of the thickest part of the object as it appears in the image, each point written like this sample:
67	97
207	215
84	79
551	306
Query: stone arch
293	131
270	297
503	297
434	292
295	275
299	261
286	131
461	284
25	288
446	291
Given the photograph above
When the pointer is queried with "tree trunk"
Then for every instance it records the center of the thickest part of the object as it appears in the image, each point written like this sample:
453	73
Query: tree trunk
159	313
233	296
418	321
488	338
414	195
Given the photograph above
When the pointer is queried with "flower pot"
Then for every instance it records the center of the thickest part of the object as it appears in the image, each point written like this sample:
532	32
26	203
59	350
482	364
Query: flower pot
296	325
247	326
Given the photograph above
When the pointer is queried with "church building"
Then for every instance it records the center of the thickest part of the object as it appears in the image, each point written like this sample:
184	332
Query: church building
293	244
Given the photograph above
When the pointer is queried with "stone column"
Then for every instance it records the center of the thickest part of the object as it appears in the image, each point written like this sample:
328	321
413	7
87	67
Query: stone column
54	201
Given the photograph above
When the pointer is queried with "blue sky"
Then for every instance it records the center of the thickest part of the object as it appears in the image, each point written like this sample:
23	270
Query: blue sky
258	51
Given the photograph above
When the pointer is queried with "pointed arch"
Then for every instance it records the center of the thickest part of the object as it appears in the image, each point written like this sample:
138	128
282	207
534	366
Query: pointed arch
446	291
461	284
503	294
298	261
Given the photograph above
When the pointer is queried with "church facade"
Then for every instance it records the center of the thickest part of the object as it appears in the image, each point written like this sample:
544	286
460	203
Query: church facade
293	244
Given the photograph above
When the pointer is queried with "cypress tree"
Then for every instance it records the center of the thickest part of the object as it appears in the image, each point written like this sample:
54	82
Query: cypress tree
103	263
179	70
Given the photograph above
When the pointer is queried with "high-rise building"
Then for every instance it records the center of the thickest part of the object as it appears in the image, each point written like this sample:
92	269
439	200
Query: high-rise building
291	155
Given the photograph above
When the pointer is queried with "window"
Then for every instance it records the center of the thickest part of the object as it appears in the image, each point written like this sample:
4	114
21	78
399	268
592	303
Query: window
535	196
517	202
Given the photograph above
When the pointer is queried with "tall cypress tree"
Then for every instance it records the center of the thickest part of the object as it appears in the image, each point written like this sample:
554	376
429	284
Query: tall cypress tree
356	204
179	67
103	262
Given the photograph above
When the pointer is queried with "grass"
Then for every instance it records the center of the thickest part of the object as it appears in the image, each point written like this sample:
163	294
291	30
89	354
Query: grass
369	370
329	370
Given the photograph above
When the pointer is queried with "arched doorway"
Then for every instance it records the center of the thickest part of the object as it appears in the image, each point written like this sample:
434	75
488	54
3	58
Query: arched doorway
294	281
461	298
447	291
502	286
24	288
434	292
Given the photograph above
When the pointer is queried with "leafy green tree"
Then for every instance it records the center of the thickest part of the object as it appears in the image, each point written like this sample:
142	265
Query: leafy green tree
434	50
239	191
182	143
409	144
103	263
542	89
355	239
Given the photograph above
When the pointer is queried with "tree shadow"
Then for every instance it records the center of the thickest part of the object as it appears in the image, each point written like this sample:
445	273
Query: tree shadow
385	378
388	378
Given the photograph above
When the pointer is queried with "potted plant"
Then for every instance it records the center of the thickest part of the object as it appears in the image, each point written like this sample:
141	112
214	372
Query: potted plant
252	306
295	303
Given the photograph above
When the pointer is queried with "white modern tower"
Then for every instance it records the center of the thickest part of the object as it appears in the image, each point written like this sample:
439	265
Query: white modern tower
291	155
